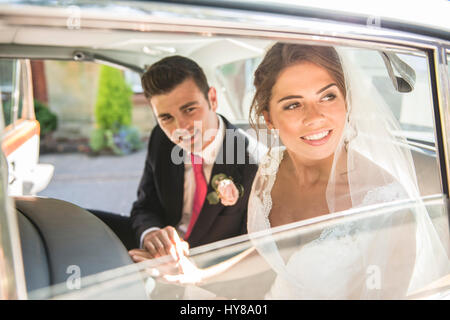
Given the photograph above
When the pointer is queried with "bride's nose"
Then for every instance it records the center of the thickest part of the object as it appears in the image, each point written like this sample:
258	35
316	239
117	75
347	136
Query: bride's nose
313	115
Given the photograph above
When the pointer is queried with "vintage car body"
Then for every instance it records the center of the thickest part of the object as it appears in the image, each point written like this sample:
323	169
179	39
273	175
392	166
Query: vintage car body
46	242
21	134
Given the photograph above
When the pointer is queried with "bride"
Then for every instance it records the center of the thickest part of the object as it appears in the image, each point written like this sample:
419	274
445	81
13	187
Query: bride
338	153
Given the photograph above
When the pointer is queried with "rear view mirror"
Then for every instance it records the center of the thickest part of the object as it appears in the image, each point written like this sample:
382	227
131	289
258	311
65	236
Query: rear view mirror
407	76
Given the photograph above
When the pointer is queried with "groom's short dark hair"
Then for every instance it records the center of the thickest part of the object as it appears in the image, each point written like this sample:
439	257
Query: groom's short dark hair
163	76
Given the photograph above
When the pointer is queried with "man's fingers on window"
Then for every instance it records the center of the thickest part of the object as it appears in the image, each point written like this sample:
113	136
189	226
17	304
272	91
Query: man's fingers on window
151	234
139	255
176	238
182	246
168	245
176	241
151	248
170	232
159	246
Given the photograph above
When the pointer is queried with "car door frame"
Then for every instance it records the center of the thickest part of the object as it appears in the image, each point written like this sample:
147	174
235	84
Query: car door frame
288	28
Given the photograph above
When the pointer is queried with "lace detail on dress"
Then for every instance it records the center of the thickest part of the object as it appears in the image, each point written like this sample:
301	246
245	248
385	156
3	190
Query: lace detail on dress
336	232
387	193
268	172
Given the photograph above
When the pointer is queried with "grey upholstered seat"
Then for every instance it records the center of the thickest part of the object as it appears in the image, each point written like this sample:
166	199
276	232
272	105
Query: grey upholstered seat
56	235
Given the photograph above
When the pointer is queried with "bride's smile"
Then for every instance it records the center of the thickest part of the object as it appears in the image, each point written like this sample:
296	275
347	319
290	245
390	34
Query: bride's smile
317	139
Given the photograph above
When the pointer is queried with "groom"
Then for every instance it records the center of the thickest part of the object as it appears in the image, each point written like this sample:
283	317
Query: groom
177	206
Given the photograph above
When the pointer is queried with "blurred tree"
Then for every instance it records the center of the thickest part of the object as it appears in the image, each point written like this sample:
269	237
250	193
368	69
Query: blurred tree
113	112
113	107
48	120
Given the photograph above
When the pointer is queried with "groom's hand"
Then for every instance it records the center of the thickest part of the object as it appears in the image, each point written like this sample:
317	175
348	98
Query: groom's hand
164	242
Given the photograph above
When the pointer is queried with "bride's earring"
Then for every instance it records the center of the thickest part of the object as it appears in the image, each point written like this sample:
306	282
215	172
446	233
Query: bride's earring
275	137
350	134
274	133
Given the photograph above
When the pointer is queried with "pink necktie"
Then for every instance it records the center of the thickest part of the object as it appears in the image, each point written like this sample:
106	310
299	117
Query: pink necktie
201	188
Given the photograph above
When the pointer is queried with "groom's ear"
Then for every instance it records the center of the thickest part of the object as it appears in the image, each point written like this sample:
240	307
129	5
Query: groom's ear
212	98
266	116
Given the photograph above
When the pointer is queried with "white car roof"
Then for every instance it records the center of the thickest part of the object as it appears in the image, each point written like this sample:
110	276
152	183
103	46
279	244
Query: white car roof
430	13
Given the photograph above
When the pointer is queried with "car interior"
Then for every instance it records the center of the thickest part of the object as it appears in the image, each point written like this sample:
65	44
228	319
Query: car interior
55	234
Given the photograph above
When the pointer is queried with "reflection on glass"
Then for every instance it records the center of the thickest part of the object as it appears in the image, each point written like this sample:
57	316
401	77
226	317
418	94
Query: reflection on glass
236	81
363	274
361	249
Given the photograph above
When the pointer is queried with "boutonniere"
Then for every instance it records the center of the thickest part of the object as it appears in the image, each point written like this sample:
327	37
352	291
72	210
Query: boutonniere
225	190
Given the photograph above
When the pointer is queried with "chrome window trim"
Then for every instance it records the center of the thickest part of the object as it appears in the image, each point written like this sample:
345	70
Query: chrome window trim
27	88
443	101
15	97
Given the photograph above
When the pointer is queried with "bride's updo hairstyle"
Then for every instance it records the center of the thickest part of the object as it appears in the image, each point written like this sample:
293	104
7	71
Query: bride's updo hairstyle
282	55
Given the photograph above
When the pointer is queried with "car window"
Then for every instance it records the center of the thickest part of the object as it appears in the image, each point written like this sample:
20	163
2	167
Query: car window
375	259
82	123
134	81
235	81
416	121
10	89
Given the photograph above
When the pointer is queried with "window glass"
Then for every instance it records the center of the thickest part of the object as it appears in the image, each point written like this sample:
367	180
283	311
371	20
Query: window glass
134	81
412	109
7	76
74	100
235	81
385	242
253	277
413	116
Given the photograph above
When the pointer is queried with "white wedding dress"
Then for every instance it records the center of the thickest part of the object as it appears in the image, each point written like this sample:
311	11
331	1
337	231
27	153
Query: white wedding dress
337	264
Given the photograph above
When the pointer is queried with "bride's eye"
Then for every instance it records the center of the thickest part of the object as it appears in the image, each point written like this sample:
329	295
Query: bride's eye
291	106
329	97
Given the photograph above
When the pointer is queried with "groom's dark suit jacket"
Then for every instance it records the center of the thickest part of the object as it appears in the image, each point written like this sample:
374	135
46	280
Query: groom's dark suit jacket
160	193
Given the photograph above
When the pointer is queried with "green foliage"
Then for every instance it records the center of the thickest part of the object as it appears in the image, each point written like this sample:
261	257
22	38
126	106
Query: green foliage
97	141
129	138
102	139
7	111
113	108
113	112
125	141
47	119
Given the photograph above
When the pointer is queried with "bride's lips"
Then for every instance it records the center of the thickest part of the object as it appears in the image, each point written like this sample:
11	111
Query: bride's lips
317	138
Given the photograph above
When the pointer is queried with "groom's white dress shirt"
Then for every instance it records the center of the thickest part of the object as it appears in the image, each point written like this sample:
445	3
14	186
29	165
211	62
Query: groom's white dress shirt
209	155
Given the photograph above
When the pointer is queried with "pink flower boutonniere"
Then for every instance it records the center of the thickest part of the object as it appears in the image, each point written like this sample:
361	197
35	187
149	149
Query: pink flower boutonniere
225	190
